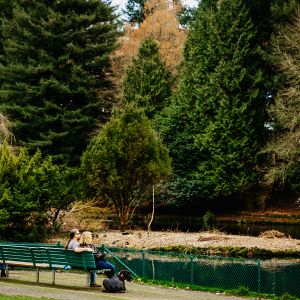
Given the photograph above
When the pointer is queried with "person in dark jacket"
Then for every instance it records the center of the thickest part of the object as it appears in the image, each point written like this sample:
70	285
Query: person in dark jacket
116	284
86	241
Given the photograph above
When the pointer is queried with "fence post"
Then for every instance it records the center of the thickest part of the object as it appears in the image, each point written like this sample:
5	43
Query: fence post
258	276
143	263
192	268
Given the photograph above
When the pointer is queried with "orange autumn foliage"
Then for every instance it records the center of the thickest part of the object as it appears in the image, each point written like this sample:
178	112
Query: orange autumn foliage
162	25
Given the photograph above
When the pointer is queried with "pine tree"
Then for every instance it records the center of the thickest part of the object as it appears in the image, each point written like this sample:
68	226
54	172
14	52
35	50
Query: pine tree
55	73
6	8
230	108
125	160
221	100
135	11
147	81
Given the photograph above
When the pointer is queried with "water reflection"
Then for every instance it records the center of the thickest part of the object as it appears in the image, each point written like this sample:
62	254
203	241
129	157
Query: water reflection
194	224
255	229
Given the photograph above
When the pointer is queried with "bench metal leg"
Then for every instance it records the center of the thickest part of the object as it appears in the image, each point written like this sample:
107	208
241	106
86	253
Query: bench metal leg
53	276
88	277
37	275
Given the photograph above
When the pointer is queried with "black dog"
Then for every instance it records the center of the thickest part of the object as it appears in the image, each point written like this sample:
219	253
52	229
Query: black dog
116	284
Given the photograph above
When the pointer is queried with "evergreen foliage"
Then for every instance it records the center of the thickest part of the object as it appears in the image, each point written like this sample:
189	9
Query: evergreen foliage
217	118
30	190
6	8
209	220
123	162
282	11
147	81
54	77
135	11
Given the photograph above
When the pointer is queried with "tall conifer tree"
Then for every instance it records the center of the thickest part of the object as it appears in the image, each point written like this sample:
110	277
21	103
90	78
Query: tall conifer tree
135	11
6	9
147	80
220	104
55	73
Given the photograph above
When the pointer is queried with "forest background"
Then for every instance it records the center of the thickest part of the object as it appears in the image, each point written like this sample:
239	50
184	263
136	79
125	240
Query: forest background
199	107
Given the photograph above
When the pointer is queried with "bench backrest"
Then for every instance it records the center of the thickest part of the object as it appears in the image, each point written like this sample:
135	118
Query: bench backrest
32	244
47	257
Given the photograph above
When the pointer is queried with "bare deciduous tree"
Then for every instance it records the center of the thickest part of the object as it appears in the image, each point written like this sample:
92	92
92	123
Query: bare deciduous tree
162	25
284	146
5	130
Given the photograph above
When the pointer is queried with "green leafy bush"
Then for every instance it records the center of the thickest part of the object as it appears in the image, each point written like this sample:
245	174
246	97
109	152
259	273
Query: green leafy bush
32	191
209	220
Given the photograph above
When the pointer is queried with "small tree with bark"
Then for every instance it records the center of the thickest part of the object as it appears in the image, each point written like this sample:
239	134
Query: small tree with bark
125	160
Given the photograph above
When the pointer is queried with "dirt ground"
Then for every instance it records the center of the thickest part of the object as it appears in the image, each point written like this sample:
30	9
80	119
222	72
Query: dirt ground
148	240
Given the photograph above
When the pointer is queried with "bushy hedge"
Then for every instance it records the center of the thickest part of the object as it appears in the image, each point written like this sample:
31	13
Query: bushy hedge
238	252
30	188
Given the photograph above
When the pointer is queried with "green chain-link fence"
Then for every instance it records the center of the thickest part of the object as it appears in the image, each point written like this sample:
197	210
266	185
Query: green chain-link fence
271	277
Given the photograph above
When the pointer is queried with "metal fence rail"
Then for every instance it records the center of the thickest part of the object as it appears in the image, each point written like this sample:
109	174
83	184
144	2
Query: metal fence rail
271	277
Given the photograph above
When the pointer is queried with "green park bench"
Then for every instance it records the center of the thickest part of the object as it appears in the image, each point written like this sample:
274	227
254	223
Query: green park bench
47	258
33	244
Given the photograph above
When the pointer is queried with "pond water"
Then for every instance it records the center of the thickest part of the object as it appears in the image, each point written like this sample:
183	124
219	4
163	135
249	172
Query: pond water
255	229
194	224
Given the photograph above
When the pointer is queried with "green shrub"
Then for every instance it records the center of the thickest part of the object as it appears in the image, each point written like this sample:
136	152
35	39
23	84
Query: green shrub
287	296
209	220
242	291
32	191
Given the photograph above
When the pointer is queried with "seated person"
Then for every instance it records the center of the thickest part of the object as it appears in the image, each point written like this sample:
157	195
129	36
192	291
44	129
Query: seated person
86	241
73	244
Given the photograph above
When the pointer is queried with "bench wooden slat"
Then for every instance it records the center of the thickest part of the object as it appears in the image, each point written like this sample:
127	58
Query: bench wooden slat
15	253
39	255
87	261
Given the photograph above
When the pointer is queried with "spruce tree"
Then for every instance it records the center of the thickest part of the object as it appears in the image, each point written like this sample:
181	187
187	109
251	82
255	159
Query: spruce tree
55	73
221	103
125	160
147	81
230	107
6	8
135	11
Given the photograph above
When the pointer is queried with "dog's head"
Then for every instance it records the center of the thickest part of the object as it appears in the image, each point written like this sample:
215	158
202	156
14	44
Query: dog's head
125	275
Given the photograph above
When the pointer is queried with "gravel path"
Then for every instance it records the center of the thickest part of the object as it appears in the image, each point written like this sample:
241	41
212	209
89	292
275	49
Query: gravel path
144	240
65	281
